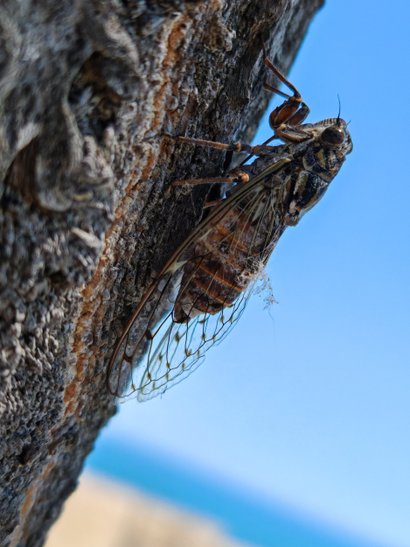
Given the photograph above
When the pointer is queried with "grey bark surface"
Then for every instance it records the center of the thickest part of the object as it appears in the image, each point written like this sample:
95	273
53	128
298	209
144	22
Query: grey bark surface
87	214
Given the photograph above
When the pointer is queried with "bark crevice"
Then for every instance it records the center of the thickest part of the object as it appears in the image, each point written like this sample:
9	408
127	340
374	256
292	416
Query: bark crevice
87	92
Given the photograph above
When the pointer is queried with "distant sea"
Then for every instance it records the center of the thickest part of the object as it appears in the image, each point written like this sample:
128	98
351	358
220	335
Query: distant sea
241	515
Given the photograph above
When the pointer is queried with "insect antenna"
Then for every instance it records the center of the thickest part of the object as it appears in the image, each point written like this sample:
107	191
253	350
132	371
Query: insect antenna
338	113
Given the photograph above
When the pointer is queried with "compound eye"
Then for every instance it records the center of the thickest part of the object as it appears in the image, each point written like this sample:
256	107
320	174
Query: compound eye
332	135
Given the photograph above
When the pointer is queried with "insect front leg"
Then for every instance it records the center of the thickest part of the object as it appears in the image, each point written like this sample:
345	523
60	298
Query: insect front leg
236	175
258	150
293	111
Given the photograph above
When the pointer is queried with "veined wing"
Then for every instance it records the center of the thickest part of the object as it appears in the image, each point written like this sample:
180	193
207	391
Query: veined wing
177	349
173	350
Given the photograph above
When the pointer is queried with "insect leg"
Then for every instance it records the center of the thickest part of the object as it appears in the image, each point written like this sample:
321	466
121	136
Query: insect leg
293	111
232	147
289	133
237	175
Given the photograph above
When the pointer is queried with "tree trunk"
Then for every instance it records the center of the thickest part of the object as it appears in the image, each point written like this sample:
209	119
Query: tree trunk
87	91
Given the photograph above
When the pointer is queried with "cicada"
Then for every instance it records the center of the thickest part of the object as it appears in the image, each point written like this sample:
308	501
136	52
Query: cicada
215	269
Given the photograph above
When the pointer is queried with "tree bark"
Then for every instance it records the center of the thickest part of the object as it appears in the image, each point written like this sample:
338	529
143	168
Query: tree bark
87	91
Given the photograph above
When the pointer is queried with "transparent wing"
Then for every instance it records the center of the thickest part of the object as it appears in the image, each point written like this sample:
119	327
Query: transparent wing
150	361
155	353
177	349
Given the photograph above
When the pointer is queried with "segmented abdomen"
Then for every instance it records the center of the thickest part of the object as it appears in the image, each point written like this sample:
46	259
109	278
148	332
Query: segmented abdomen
226	259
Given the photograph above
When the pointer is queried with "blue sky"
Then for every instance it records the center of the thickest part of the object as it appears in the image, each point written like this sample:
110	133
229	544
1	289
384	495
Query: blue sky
309	403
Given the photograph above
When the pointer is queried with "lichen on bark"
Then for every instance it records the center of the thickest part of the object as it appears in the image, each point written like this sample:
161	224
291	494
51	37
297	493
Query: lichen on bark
87	90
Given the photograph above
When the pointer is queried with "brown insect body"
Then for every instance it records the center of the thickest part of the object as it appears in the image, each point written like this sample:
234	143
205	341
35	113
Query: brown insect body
224	262
230	255
221	259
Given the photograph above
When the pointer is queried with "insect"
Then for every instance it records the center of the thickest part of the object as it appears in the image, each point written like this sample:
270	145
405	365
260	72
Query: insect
218	265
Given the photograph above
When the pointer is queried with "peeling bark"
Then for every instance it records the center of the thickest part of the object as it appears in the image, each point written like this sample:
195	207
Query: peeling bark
87	91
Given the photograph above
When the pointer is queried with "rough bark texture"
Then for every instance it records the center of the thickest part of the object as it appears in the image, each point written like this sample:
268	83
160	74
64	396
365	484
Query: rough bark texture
87	89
